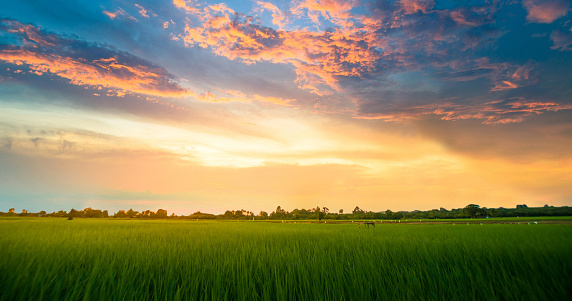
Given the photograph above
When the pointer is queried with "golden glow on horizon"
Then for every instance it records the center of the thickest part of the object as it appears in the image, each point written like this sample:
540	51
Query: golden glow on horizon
296	162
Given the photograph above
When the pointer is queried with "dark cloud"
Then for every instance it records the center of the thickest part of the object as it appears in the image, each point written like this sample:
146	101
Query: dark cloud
545	137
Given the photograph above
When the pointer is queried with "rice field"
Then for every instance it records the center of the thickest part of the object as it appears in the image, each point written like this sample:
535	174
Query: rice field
85	259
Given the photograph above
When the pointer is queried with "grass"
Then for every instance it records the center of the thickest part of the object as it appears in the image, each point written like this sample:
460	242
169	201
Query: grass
56	259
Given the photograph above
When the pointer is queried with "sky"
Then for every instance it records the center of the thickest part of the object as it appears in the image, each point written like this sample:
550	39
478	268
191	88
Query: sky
190	105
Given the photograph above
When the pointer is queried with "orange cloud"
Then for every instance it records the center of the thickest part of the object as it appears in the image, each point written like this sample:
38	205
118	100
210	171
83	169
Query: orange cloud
183	5
117	13
111	15
120	72
107	73
142	11
318	57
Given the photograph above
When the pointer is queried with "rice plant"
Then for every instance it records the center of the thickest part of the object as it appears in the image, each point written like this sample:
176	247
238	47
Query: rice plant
57	259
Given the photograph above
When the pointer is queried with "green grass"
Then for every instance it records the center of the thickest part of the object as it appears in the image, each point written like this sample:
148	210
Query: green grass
494	219
417	220
57	259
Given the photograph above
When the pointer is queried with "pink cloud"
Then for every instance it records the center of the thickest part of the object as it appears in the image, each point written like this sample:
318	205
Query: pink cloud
413	6
545	11
561	40
504	85
494	112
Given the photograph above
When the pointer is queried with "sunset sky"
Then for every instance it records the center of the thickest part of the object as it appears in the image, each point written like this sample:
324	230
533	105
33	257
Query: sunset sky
192	105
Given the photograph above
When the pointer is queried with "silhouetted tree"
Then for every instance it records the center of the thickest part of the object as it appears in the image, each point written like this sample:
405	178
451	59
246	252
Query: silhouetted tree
388	214
131	214
473	210
120	214
161	213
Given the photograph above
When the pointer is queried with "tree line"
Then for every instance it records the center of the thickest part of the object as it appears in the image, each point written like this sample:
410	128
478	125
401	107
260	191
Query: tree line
318	213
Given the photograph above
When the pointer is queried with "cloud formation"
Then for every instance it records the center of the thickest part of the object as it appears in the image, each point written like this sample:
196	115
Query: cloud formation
545	11
319	57
82	63
494	112
340	45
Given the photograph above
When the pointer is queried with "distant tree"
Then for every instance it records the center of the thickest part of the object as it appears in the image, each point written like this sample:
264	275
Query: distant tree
325	210
87	212
263	214
74	213
120	214
61	213
389	214
320	214
161	213
11	210
105	214
357	209
92	213
131	213
341	211
473	210
279	213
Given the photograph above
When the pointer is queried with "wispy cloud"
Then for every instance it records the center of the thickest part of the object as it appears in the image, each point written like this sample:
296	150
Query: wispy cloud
234	95
494	112
118	13
142	11
561	40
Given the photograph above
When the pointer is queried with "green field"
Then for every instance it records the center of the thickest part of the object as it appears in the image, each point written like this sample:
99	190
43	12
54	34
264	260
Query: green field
57	259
